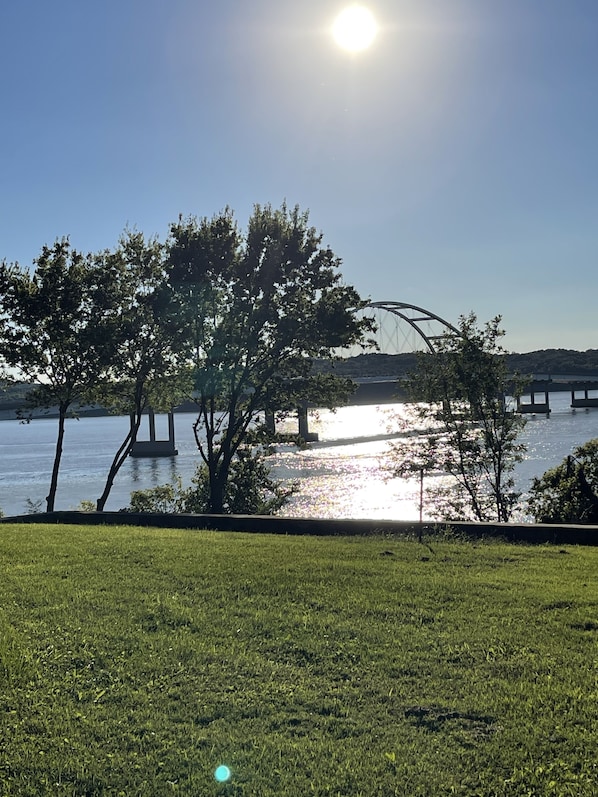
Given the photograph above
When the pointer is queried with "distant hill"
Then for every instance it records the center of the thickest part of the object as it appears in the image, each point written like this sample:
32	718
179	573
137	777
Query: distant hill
546	361
555	361
12	395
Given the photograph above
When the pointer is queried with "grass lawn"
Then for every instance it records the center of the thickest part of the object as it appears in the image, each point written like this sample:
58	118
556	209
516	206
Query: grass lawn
136	661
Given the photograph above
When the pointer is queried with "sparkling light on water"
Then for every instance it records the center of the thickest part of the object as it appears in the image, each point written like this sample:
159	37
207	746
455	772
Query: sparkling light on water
340	476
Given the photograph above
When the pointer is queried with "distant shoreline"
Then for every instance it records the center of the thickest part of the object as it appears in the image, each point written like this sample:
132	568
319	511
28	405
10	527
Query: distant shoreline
539	365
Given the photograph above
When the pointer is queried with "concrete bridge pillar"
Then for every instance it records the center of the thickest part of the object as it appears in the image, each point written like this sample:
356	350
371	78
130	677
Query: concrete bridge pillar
153	447
270	421
304	432
587	401
152	426
302	422
533	405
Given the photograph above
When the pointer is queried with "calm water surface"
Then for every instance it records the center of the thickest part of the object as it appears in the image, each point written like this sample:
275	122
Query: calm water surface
340	476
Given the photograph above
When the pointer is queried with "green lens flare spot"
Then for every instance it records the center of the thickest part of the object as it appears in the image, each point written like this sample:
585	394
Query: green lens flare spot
222	773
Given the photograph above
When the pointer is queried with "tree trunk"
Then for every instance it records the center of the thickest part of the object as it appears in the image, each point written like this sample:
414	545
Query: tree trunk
51	497
217	488
119	460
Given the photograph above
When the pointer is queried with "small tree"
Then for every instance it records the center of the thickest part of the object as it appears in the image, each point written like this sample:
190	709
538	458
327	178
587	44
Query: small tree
259	308
147	335
467	431
568	493
54	334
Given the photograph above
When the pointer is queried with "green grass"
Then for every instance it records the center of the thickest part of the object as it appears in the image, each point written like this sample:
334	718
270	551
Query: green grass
135	661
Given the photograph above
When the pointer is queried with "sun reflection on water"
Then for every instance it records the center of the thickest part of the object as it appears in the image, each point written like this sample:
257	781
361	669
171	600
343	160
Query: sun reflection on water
345	479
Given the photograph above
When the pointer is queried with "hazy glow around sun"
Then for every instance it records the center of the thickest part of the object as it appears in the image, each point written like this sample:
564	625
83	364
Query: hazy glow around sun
355	28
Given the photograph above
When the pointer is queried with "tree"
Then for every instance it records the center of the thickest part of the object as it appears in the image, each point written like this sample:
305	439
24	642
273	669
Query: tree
147	336
54	333
467	430
568	493
259	308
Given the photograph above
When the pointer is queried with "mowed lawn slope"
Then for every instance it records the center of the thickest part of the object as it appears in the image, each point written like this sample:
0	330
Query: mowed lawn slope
136	661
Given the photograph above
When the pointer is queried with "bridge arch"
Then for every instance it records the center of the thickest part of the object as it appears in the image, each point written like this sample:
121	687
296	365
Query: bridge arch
429	327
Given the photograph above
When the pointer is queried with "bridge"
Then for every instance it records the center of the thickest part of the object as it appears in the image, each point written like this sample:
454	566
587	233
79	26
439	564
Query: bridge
527	403
584	393
415	329
402	328
406	327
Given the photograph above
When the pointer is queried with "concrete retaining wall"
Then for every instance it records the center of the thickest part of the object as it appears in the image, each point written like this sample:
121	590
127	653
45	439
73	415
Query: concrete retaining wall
534	533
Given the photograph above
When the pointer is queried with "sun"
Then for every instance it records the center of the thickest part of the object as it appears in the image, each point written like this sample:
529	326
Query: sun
355	28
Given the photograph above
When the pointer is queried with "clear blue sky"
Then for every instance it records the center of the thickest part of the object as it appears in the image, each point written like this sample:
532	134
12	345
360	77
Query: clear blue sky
453	165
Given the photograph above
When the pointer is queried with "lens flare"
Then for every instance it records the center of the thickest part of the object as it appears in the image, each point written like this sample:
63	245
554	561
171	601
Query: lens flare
222	773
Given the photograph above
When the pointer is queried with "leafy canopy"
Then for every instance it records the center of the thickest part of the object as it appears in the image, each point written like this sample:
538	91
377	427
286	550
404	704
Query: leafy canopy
568	493
259	307
54	332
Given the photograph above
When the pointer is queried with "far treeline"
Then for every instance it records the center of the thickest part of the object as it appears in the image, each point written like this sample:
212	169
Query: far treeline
545	362
242	323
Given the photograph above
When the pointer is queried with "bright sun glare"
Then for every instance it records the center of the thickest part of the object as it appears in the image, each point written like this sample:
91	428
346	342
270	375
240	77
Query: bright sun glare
355	28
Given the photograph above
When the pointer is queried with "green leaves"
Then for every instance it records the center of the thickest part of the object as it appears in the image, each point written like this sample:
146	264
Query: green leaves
568	493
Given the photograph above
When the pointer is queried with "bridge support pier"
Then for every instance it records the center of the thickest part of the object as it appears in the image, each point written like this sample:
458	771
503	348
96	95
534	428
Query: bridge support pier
302	422
153	447
270	421
533	405
304	433
586	401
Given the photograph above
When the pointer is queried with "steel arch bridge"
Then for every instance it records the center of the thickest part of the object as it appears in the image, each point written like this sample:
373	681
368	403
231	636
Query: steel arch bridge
406	327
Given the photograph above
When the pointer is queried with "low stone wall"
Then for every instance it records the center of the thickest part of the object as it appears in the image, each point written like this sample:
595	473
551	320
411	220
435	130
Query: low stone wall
534	533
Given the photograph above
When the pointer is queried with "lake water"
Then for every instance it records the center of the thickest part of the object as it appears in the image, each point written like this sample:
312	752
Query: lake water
342	475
